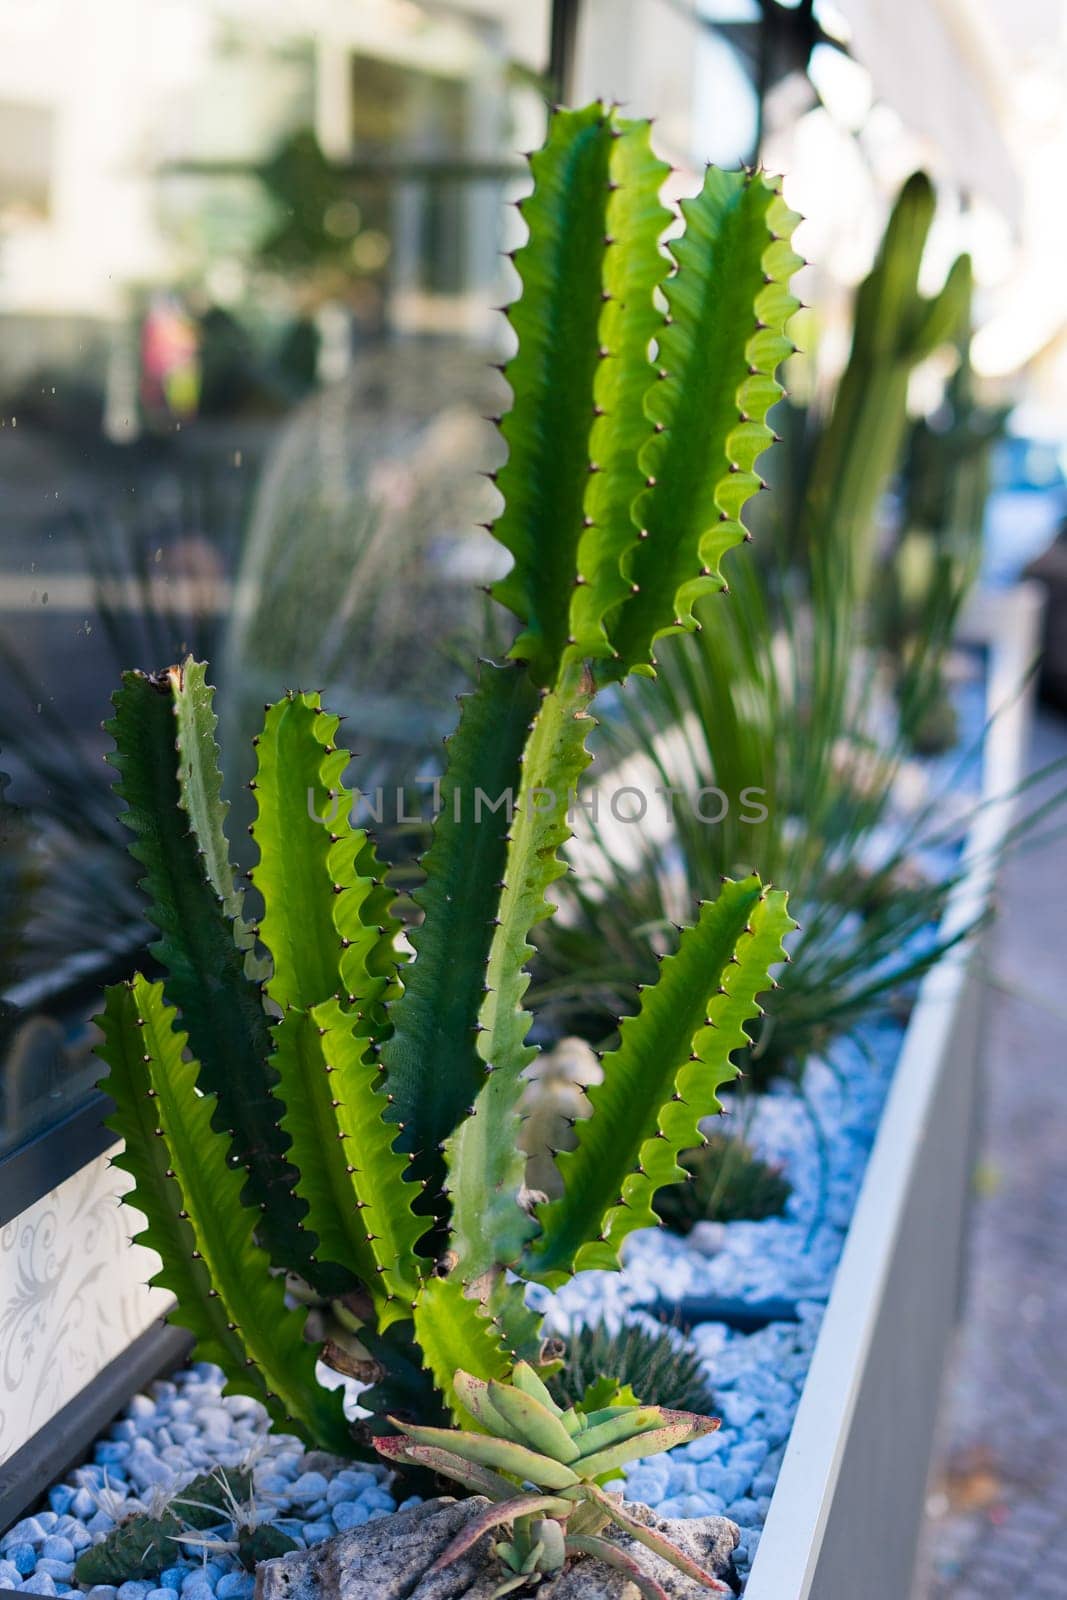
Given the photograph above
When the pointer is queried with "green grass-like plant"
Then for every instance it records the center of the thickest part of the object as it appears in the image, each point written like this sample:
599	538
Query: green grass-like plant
727	1183
296	1096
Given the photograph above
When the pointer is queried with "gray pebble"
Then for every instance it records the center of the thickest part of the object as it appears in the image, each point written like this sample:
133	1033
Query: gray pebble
57	1548
316	1532
61	1571
347	1514
235	1586
309	1487
39	1583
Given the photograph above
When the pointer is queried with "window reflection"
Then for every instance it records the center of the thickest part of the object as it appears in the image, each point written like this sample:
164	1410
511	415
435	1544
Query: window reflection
248	259
247	268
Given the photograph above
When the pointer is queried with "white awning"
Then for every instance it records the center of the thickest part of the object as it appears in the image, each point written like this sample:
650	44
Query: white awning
937	63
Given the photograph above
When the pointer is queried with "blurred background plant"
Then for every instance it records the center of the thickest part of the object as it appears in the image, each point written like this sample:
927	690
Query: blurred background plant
945	484
728	1182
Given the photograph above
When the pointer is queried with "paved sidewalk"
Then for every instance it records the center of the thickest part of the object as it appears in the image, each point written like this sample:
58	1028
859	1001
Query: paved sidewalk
997	1509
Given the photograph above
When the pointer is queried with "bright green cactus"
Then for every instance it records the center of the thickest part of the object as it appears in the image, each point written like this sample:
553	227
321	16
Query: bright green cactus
298	1096
543	1468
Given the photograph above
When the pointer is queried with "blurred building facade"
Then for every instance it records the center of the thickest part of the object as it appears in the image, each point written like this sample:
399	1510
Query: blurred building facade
249	255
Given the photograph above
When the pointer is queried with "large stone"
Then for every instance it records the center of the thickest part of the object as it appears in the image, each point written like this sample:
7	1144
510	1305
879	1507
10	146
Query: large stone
388	1559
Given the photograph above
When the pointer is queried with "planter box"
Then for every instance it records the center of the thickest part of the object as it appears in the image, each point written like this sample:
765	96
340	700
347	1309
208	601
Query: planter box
845	1514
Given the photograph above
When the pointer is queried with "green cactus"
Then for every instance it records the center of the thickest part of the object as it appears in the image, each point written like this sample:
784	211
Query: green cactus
567	1455
350	1117
143	1546
895	328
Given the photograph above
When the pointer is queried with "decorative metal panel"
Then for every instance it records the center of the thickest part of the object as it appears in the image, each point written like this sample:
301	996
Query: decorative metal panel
73	1296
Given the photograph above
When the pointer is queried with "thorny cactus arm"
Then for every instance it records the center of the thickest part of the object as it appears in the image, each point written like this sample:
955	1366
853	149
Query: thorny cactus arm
354	1182
324	922
191	1196
455	1335
171	791
594	223
634	267
436	1018
719	345
672	1058
486	1166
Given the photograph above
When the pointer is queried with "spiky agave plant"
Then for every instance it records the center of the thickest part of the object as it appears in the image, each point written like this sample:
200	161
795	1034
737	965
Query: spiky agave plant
352	1118
544	1469
659	1363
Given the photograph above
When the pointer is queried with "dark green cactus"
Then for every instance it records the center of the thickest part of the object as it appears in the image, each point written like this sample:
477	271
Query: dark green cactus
352	1117
262	1543
143	1546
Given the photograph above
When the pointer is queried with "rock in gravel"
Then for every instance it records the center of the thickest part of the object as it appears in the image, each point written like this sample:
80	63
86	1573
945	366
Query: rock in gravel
387	1559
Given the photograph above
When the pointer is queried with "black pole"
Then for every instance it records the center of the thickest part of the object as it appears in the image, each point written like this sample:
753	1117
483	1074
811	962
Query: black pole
561	50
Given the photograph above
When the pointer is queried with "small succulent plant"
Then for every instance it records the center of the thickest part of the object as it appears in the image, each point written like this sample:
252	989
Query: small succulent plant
143	1545
727	1183
660	1364
543	1468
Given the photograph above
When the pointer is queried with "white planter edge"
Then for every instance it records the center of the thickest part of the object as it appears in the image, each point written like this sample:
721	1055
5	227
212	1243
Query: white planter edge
845	1514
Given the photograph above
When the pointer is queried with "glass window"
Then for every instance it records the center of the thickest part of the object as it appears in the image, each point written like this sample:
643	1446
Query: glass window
247	266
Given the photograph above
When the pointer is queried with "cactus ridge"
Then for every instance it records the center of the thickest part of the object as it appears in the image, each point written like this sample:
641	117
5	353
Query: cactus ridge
486	1167
353	1181
436	1017
556	321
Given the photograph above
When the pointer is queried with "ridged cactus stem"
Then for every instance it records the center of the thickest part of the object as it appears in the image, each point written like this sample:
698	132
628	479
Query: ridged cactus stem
385	1093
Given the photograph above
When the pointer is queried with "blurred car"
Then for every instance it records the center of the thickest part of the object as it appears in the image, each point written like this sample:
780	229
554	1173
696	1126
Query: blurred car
1027	503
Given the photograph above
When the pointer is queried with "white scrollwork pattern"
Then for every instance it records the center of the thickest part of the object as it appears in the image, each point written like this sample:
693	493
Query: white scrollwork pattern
73	1295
